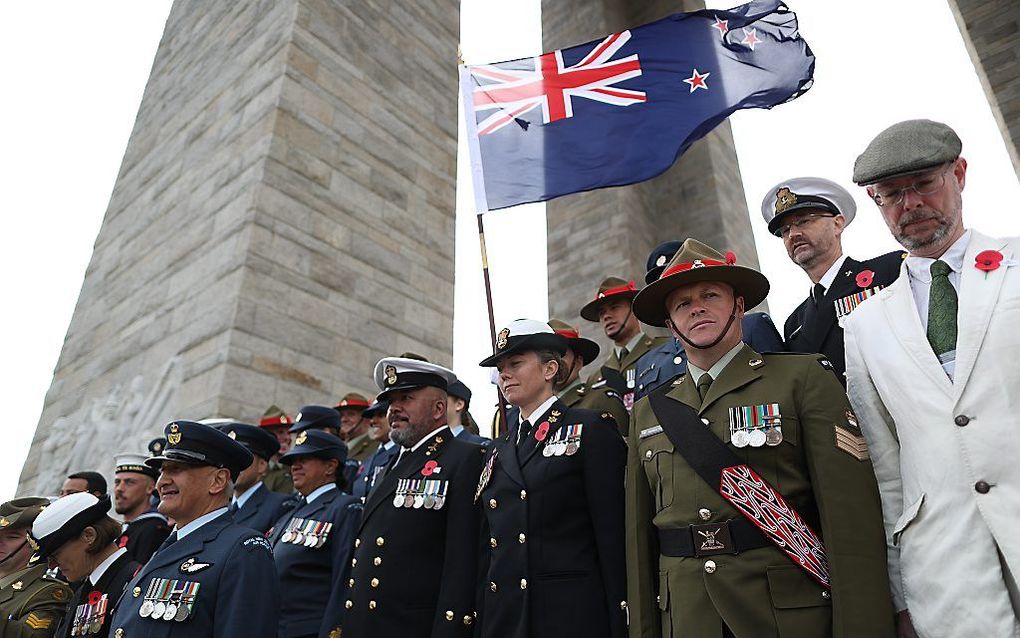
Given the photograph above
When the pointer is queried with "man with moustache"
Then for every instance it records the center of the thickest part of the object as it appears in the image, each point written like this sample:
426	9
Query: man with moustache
810	214
932	375
378	431
144	528
752	509
414	568
193	586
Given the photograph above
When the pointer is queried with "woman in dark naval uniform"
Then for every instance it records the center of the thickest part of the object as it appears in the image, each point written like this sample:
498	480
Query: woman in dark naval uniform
552	495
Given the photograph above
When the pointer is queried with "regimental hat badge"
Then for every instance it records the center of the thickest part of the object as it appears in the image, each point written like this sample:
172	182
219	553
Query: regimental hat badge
301	438
232	435
4	522
391	375
785	198
174	436
502	337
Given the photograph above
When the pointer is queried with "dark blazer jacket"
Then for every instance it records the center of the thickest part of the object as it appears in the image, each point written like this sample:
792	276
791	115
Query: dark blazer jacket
553	561
263	508
816	330
371	469
238	595
310	577
415	568
144	535
111	583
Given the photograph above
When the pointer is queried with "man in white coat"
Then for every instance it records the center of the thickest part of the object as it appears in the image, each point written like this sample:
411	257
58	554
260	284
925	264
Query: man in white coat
933	370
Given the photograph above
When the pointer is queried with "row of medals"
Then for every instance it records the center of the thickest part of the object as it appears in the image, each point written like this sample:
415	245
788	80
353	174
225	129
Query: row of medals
89	619
429	494
567	441
165	609
769	433
307	532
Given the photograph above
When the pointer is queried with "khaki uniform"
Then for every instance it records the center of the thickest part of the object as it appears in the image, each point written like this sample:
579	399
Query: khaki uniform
360	448
821	467
628	364
32	603
278	478
599	400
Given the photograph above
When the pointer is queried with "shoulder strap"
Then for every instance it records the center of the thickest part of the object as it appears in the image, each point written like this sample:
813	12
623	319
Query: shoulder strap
740	485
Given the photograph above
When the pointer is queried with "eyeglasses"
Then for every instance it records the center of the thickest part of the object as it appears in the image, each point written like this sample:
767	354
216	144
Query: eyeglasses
924	185
785	229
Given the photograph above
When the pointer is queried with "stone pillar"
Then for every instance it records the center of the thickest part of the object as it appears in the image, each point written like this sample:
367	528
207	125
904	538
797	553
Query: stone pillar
283	217
990	30
611	231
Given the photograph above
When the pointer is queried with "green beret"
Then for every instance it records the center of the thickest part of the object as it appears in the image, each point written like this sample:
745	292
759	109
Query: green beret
907	147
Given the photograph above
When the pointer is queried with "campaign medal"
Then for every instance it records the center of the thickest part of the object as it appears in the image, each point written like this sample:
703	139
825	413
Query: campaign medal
398	498
441	496
573	440
150	594
774	436
430	499
484	477
756	438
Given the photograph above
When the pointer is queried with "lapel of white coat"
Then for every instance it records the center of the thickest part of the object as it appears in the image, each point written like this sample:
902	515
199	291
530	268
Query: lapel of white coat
979	292
901	315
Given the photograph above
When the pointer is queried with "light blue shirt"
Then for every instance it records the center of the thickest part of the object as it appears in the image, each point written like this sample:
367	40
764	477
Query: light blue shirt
243	498
319	491
198	522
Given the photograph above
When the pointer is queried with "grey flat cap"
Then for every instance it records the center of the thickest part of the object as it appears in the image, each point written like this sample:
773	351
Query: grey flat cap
907	147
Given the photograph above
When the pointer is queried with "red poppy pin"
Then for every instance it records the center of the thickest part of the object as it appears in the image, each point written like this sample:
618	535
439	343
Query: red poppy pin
864	278
430	468
731	258
988	260
122	542
94	598
542	431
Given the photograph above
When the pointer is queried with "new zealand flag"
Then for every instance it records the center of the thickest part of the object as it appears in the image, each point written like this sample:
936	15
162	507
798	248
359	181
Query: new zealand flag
622	109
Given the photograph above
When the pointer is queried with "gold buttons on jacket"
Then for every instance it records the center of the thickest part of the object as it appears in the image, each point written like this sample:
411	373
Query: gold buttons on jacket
374	582
709	566
492	542
524	583
354	562
492	503
119	633
371	604
350	583
623	604
136	592
704	513
492	587
380	541
648	455
449	615
377	561
524	494
348	604
468	620
521	538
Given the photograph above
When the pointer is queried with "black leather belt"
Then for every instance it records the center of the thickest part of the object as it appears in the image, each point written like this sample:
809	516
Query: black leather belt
708	539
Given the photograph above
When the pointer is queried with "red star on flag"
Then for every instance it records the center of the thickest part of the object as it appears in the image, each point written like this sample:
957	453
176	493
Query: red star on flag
750	38
697	81
721	25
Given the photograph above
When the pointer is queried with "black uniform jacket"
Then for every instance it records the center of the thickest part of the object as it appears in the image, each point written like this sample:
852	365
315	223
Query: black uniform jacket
314	572
144	535
263	508
553	545
112	584
815	329
414	568
238	594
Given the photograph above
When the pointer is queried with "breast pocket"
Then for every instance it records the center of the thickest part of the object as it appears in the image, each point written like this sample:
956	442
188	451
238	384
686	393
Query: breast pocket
657	459
802	607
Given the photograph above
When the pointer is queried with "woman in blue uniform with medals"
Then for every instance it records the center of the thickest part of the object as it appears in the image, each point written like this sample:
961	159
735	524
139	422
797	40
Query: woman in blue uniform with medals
312	545
75	535
553	500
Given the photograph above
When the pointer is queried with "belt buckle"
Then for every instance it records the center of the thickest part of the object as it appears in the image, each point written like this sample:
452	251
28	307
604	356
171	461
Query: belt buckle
712	538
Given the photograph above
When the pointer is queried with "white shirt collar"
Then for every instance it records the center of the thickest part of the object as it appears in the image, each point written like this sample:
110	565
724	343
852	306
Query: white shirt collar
920	267
456	430
832	272
717	367
98	572
243	498
630	345
199	522
319	491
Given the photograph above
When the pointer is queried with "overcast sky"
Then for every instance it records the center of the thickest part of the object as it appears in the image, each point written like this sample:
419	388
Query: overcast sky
74	74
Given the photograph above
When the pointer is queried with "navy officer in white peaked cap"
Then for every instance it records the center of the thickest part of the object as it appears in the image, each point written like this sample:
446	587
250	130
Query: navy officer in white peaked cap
810	214
192	587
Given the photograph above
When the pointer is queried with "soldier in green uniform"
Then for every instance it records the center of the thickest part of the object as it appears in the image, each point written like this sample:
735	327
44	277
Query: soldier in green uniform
277	423
752	508
573	392
31	602
612	309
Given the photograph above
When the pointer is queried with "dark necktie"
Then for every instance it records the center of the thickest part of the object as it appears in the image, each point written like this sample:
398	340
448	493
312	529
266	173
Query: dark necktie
942	308
704	383
623	353
525	431
817	292
170	540
233	507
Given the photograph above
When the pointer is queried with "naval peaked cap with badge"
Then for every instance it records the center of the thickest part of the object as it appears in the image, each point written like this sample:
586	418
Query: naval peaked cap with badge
415	562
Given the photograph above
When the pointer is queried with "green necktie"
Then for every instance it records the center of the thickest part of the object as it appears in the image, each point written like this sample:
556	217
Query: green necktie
704	383
942	307
623	353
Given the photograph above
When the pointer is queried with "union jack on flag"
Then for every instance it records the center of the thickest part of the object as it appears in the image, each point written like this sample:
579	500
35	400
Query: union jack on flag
552	85
622	109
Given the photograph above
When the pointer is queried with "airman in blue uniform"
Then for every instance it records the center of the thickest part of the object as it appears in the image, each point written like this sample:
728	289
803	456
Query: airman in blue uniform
253	504
379	430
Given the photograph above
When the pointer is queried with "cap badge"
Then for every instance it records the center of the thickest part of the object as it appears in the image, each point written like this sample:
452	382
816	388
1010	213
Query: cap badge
698	264
31	542
232	435
4	522
502	338
174	437
301	438
661	261
391	375
784	200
